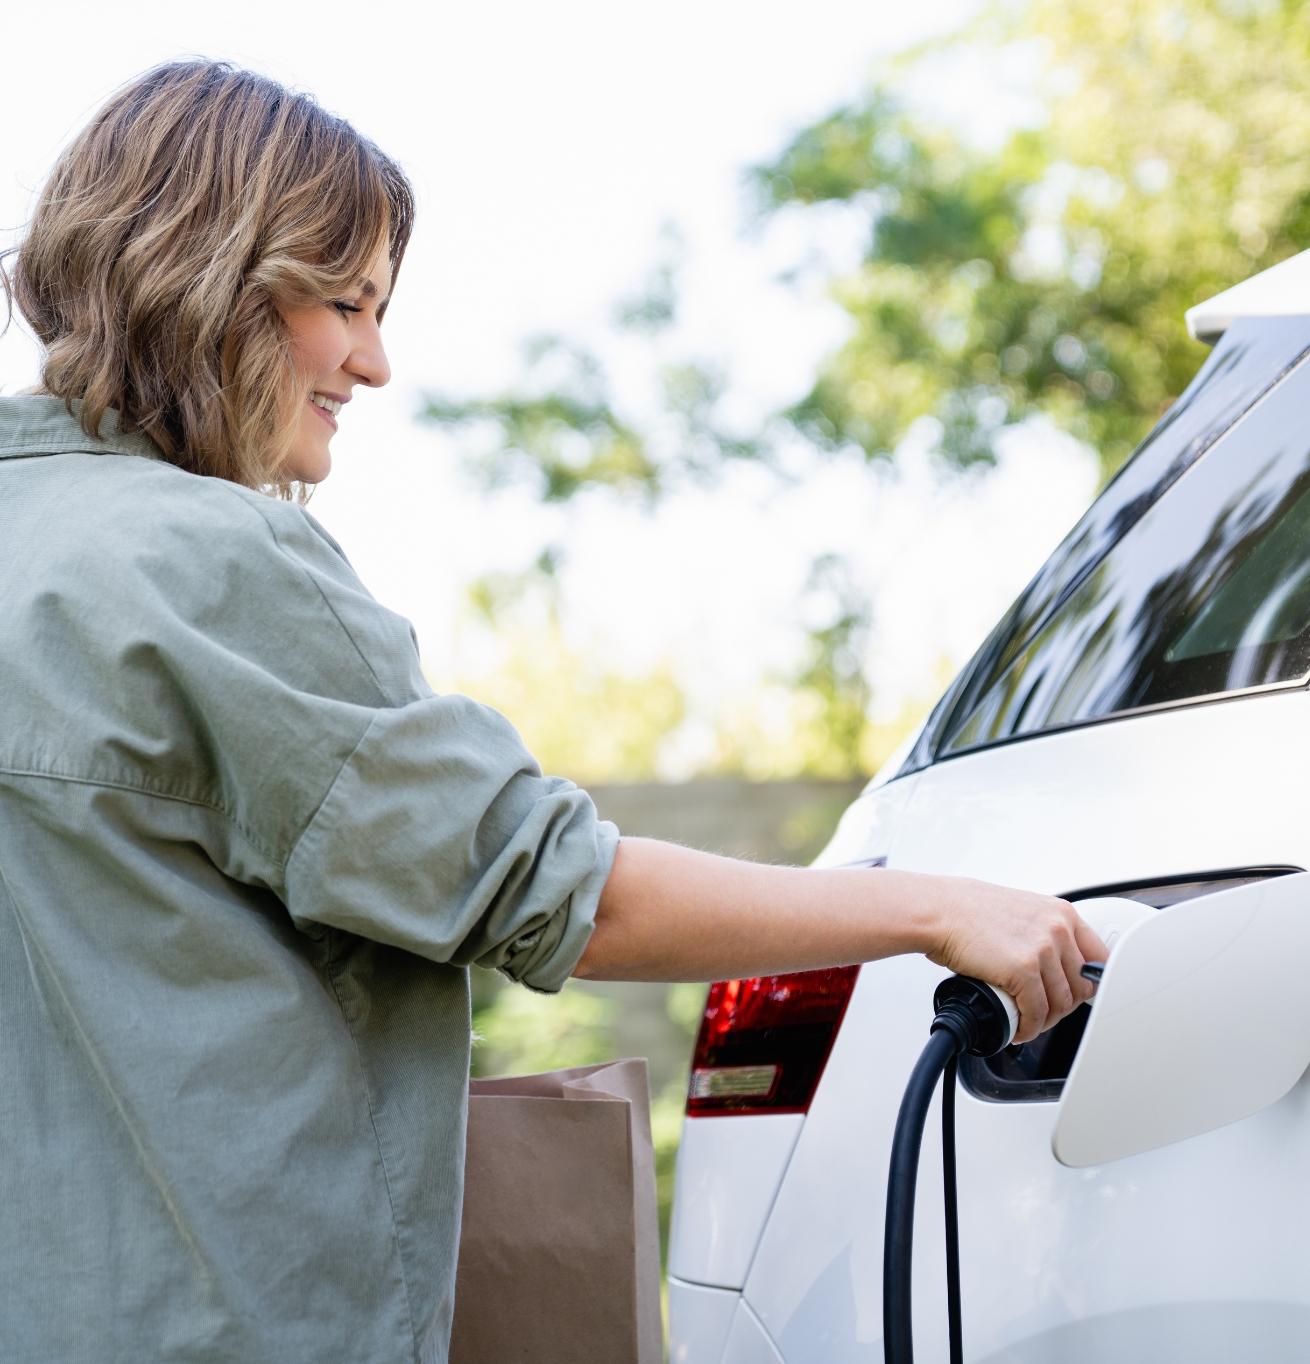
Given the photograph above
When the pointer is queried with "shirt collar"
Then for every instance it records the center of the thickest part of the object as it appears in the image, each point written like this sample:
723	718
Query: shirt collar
37	424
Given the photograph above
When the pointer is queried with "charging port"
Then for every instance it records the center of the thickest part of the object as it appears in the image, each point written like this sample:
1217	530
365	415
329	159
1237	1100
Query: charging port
1036	1071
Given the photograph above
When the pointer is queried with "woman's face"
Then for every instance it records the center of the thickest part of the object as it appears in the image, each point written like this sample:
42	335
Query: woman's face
340	345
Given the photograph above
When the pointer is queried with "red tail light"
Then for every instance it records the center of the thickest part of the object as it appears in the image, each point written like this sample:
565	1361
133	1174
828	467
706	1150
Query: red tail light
764	1042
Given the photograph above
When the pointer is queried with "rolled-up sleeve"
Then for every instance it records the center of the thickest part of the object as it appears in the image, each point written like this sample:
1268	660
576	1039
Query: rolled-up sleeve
439	835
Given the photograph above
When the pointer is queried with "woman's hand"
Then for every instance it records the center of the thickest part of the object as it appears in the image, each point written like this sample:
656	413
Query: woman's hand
1032	946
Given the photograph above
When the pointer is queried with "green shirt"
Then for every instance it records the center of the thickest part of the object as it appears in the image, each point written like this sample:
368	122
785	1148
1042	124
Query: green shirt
246	859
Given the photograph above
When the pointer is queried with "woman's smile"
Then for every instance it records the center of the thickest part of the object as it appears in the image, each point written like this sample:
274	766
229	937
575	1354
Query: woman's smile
327	405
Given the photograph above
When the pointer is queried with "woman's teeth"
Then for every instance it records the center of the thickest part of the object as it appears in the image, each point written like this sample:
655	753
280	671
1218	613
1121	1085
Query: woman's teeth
330	404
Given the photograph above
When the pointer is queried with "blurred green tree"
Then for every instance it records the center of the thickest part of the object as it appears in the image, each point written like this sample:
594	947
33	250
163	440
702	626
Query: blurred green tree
1167	158
553	689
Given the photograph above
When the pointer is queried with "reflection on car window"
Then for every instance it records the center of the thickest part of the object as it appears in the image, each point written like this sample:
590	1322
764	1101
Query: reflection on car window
1248	361
1207	593
1266	600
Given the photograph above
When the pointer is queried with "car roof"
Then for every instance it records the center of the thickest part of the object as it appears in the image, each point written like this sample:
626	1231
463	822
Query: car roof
1281	291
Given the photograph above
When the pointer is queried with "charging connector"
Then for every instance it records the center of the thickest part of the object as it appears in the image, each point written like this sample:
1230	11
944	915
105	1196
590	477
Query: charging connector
971	1018
983	1018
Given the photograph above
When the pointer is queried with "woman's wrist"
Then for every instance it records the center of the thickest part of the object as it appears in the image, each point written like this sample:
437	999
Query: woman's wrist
924	904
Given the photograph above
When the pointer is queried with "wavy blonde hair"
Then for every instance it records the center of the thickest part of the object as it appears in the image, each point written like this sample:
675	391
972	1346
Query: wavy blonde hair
199	198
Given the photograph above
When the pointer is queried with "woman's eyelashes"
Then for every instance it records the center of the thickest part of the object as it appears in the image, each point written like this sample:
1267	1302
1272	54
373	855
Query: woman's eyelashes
343	307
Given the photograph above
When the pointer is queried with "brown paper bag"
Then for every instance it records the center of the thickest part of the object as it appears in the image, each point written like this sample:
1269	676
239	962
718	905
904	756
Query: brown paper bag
559	1259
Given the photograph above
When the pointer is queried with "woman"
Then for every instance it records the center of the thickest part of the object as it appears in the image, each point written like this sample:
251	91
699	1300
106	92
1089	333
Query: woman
246	854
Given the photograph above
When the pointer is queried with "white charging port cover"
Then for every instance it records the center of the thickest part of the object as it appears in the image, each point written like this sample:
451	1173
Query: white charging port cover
1201	1019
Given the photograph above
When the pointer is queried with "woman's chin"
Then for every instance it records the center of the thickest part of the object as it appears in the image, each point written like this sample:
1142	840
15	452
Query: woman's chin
308	468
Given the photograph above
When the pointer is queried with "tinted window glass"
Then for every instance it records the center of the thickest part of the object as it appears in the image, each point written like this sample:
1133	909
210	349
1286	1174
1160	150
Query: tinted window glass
1266	601
1250	358
1207	592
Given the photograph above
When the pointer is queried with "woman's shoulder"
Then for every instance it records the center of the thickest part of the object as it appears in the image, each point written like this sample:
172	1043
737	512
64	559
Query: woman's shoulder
150	514
238	562
104	530
116	490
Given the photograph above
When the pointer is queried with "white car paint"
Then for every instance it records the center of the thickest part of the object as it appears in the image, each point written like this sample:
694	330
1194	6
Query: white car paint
704	1316
728	1174
748	1342
1280	291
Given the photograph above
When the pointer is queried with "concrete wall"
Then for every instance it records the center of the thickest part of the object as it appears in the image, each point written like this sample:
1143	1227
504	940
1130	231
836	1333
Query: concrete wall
774	821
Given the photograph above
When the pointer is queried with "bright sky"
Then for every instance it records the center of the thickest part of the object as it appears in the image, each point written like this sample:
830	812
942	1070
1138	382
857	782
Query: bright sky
548	145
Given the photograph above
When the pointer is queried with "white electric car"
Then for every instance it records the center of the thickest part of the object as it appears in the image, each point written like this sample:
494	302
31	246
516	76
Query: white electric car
1137	725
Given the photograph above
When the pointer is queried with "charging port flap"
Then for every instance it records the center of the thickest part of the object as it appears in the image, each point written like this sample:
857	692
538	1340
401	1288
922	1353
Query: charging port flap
1202	1019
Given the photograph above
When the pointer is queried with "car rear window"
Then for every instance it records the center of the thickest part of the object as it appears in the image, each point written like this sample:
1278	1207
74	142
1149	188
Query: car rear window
1251	357
1205	593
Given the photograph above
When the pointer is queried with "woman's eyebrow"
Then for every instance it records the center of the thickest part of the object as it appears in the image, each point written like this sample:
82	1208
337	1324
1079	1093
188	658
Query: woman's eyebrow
370	290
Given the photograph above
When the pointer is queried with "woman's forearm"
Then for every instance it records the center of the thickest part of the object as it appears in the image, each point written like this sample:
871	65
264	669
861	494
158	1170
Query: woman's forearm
672	913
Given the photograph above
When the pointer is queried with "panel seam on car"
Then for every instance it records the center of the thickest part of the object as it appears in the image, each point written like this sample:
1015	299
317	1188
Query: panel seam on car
1137	713
763	1329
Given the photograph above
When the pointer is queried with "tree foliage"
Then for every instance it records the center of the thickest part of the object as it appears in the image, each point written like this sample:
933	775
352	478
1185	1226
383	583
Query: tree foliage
579	716
554	690
1168	157
1049	275
561	429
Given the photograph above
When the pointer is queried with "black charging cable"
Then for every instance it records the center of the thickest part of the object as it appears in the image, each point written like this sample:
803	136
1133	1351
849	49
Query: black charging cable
970	1018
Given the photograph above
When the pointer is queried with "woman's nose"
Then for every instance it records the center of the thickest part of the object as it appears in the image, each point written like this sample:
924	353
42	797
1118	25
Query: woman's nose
369	361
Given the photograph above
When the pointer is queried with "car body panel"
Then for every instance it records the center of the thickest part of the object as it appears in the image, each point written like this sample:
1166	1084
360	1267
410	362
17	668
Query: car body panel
728	1171
866	833
1281	290
1132	799
699	1321
1198	1331
1045	1247
748	1342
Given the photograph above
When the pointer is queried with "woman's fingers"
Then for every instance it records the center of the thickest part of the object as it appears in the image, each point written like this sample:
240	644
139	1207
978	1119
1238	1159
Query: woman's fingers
1073	960
1089	944
1059	970
1030	1000
1070	943
1033	945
